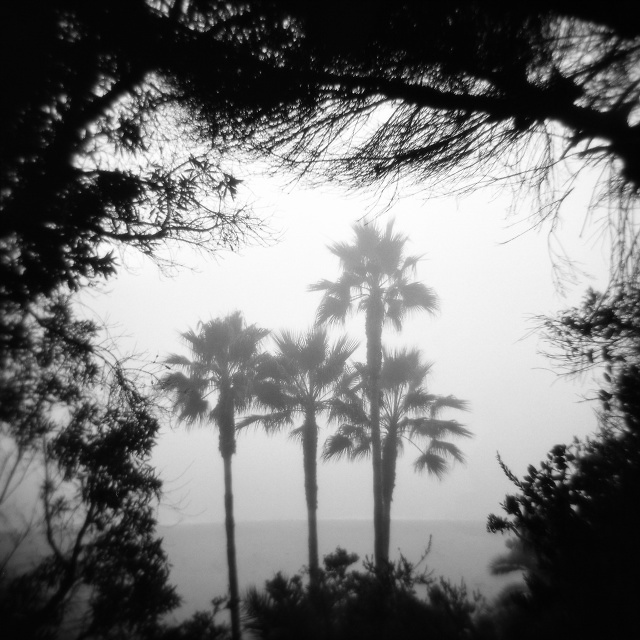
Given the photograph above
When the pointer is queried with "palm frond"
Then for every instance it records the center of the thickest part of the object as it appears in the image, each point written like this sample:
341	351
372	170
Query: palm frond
417	296
402	367
188	398
330	371
418	400
348	410
269	366
350	442
270	422
177	360
410	264
336	447
181	385
297	433
321	285
248	421
361	450
390	246
447	450
271	394
244	343
447	402
300	375
432	463
288	345
435	428
395	312
336	302
224	357
349	382
332	310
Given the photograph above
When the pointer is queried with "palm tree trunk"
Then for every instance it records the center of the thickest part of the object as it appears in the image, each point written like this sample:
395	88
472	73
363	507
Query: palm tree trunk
229	522
227	446
389	458
374	319
310	459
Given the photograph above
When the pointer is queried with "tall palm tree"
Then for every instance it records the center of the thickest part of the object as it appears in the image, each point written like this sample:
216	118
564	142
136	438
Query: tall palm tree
409	414
208	388
297	383
375	279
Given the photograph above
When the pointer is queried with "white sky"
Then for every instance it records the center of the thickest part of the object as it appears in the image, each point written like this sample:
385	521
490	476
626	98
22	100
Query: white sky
489	290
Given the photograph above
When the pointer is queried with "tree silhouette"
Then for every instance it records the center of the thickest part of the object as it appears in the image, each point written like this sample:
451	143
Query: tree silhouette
75	421
457	91
375	279
97	151
576	514
97	155
298	382
453	97
409	414
223	356
404	602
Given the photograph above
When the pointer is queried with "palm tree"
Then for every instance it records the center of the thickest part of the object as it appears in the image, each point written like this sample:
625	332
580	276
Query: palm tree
375	279
409	413
210	386
297	383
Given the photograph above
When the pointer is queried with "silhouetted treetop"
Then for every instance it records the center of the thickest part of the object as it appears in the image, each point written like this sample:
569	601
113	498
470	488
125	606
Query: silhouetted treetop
576	514
76	429
94	153
461	82
114	114
448	95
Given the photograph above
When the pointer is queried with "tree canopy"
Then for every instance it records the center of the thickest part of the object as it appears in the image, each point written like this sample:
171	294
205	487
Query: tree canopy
115	114
450	96
74	422
462	76
94	153
576	514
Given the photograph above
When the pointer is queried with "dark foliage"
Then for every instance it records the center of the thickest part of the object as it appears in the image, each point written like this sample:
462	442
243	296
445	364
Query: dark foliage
577	515
81	423
448	95
98	148
202	625
373	604
94	155
460	75
604	332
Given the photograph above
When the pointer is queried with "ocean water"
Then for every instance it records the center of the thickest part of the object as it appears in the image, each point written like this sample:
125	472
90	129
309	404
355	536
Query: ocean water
460	550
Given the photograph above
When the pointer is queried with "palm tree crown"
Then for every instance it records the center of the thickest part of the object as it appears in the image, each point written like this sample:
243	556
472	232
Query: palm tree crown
224	356
301	374
409	414
374	269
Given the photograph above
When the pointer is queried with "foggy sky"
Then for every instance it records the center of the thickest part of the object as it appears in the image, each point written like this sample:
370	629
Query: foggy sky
490	283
